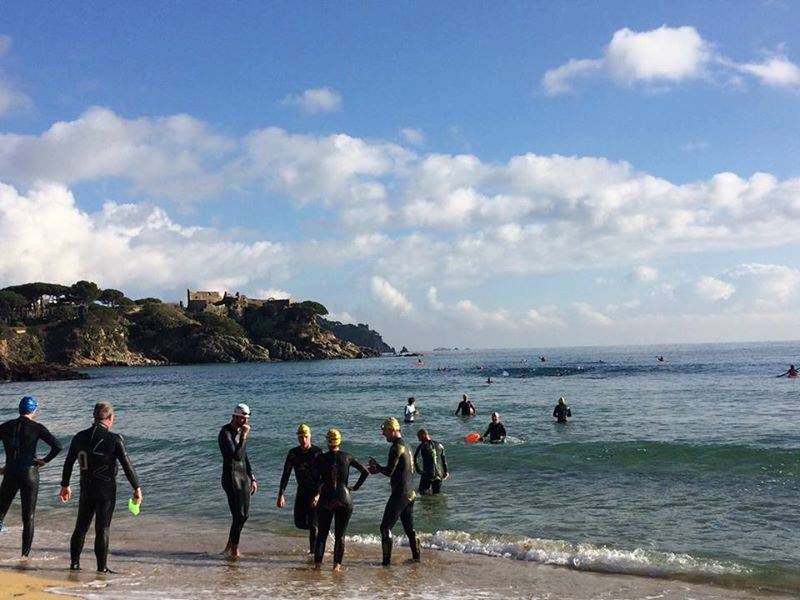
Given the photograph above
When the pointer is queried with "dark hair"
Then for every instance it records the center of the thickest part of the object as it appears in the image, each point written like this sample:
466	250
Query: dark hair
412	400
103	410
422	431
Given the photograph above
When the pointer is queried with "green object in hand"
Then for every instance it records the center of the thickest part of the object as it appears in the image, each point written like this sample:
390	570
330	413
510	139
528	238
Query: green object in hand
134	507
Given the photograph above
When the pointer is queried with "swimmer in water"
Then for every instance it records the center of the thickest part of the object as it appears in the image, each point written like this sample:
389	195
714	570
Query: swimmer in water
400	470
792	372
488	380
434	464
21	473
496	432
465	407
411	411
562	411
542	359
333	500
660	358
302	459
238	479
97	451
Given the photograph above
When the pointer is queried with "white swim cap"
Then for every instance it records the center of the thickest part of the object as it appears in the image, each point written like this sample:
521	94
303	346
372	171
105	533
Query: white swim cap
241	410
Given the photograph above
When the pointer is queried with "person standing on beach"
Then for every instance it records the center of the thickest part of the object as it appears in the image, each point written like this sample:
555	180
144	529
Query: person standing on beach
465	407
410	411
238	480
302	459
333	498
400	470
562	411
97	451
21	473
432	454
496	432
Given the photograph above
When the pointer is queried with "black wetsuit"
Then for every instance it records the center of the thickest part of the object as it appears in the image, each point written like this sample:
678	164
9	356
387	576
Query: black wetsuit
97	451
496	432
400	470
465	408
304	464
20	437
432	474
236	477
561	412
334	499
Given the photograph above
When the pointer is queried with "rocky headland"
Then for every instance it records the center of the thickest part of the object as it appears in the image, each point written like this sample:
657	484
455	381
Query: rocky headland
48	330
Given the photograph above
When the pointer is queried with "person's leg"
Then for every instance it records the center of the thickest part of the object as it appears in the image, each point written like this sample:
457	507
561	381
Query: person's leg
407	519
305	517
86	509
239	505
394	506
324	516
28	492
342	519
8	489
436	486
424	484
102	529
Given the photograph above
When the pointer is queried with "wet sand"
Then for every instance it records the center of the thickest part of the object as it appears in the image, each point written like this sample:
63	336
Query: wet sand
19	584
158	558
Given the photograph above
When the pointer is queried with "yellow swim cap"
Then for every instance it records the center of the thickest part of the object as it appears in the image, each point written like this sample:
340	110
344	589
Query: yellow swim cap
561	400
391	424
334	437
303	429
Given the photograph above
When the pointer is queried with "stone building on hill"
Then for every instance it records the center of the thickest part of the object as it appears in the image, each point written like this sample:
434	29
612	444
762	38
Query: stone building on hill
200	301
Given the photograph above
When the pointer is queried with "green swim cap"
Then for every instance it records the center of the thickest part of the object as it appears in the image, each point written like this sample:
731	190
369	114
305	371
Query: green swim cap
134	507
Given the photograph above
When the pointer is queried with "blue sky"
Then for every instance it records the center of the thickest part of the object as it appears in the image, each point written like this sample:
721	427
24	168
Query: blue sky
454	174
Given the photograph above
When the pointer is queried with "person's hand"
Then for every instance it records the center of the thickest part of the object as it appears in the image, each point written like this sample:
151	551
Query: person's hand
38	463
137	495
315	501
372	466
65	494
447	476
281	501
245	430
253	487
2	470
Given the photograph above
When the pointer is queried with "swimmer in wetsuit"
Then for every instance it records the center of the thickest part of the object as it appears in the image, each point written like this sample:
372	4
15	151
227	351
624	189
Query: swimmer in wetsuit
465	407
21	473
432	473
333	498
302	459
562	411
238	480
97	451
400	469
496	432
791	373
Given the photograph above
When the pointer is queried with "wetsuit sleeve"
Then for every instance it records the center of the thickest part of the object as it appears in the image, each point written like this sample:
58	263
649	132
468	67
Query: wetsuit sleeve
122	457
49	439
230	449
72	455
445	470
416	456
502	430
249	468
287	471
569	412
486	433
555	411
391	465
363	473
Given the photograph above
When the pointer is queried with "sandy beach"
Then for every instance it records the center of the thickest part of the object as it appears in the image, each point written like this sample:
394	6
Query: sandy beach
176	559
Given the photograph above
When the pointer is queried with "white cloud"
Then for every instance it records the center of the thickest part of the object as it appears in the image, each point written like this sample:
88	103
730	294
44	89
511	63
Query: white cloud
46	237
415	137
712	289
343	317
765	286
433	299
315	100
666	56
388	295
545	316
272	293
590	315
776	71
644	274
477	318
11	98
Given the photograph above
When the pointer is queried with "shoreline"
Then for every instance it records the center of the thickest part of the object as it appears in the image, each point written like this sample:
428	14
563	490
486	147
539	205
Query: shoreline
17	583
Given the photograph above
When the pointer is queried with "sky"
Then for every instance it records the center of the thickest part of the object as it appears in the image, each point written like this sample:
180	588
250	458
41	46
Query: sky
471	174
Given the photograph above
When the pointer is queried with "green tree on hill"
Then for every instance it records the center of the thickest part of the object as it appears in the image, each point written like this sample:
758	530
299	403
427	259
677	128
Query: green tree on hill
33	291
84	292
12	305
114	297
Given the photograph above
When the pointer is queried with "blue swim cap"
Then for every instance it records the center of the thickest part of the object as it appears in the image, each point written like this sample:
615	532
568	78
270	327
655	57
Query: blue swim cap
27	405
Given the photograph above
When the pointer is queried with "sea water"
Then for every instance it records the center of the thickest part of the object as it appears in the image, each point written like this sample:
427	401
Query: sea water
687	468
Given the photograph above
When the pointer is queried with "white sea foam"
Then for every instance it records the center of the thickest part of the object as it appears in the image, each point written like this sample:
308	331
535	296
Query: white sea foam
583	557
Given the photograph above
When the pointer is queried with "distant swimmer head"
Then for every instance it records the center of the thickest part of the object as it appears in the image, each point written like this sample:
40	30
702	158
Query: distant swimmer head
423	435
334	438
303	430
390	424
241	410
464	397
495	416
27	405
104	411
411	400
562	400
